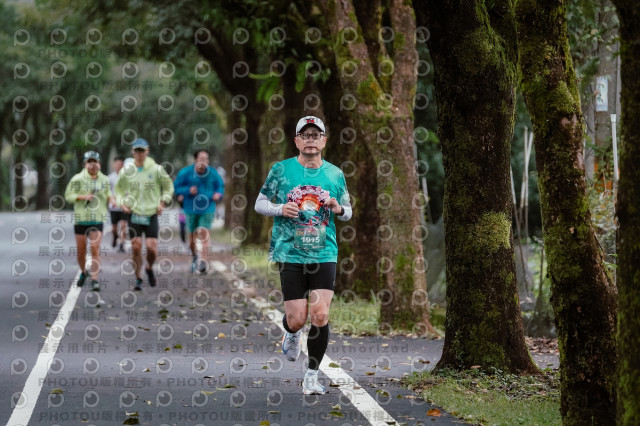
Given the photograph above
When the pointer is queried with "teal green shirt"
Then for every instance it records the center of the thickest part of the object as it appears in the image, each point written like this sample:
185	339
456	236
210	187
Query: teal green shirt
310	188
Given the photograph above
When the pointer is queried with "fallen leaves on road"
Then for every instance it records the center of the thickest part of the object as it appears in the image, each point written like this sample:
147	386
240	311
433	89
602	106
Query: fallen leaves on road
542	345
434	412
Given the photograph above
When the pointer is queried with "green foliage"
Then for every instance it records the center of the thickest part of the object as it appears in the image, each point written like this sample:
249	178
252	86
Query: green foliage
585	31
425	134
72	98
301	74
269	87
601	205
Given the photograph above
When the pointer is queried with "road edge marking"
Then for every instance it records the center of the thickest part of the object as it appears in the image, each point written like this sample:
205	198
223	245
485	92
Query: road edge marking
21	415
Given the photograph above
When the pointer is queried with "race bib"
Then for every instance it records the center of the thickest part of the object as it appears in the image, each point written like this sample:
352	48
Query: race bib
140	220
310	237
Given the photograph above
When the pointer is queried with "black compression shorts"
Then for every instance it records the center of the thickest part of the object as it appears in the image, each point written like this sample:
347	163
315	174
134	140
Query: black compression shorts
86	229
298	279
117	216
149	231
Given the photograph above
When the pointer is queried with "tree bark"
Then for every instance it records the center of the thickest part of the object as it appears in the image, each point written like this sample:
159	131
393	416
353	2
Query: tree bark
475	78
41	160
584	295
234	188
255	176
42	188
628	274
18	176
357	237
382	118
247	166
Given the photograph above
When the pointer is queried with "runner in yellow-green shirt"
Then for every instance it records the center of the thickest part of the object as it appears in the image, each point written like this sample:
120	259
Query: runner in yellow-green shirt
89	191
143	190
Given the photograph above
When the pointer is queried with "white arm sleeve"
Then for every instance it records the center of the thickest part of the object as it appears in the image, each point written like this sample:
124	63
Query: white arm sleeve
348	212
267	208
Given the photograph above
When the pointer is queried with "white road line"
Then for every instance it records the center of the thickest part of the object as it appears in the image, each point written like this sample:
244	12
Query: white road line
29	396
360	398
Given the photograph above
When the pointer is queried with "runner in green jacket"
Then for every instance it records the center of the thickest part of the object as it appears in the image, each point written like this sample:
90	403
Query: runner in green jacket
143	190
89	191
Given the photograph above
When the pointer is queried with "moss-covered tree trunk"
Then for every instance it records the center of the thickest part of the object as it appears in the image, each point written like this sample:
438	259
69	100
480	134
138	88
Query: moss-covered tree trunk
583	294
475	78
378	81
628	205
234	188
255	222
357	238
247	168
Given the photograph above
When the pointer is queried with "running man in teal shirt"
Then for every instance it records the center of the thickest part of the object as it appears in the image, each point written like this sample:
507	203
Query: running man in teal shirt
305	193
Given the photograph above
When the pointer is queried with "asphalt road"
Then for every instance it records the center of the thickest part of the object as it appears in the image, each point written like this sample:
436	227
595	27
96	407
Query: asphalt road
195	350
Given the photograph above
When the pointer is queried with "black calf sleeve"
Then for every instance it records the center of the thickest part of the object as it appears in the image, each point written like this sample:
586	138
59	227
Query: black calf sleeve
285	325
317	342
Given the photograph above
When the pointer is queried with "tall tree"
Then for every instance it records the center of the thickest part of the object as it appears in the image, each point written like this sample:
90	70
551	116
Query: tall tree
584	295
628	274
377	76
473	49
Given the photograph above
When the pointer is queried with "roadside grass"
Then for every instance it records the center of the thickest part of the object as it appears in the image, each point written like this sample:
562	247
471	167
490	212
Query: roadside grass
491	399
221	235
354	316
256	261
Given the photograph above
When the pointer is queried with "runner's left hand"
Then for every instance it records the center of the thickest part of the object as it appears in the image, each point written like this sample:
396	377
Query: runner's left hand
334	205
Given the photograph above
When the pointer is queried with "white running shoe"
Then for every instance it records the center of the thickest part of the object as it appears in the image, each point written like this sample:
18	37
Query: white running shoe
310	383
291	345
